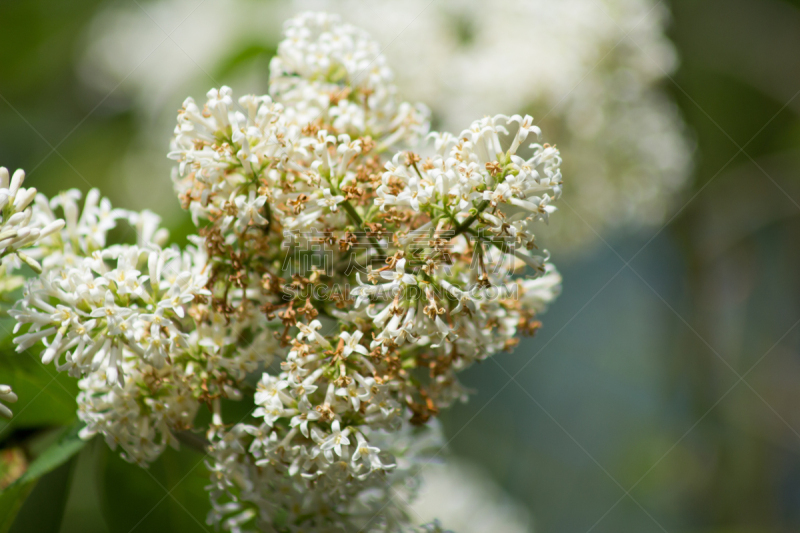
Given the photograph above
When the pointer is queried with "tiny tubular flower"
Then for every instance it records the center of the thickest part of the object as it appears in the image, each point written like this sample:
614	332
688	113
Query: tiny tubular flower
328	200
8	396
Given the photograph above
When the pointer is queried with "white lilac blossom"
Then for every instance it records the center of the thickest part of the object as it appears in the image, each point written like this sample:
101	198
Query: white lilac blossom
591	70
142	415
94	307
20	228
338	281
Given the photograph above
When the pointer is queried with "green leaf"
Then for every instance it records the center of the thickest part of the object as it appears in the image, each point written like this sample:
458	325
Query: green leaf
46	397
67	445
50	493
54	456
83	512
11	501
169	495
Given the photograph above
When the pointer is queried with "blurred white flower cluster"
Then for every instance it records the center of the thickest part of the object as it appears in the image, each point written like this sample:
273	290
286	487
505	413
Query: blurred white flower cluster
590	71
21	228
467	500
338	280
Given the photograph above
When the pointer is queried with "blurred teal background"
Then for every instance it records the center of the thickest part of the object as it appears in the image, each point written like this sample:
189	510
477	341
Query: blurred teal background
662	392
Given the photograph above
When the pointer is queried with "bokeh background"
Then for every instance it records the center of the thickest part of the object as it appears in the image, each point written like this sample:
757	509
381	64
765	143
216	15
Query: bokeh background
662	392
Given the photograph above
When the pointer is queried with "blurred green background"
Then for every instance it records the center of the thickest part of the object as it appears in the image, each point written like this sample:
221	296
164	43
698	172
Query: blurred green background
662	392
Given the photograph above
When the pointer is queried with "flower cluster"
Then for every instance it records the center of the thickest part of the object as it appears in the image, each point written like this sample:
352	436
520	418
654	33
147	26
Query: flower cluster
19	229
591	71
427	256
114	316
595	71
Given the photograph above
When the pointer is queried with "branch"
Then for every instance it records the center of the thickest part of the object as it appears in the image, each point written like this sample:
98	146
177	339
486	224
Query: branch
464	226
355	218
192	440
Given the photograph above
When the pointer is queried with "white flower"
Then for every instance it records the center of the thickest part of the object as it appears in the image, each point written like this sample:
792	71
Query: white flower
302	420
181	292
525	127
157	347
351	343
367	453
112	313
540	291
249	210
334	442
268	391
399	276
311	332
328	200
466	301
540	206
355	392
415	194
501	194
125	276
363	291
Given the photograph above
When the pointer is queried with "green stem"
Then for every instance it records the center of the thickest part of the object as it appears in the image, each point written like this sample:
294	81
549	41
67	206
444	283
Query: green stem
355	218
192	440
464	226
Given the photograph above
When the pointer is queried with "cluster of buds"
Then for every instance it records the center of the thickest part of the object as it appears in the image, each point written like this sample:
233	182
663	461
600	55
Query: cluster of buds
19	229
339	280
